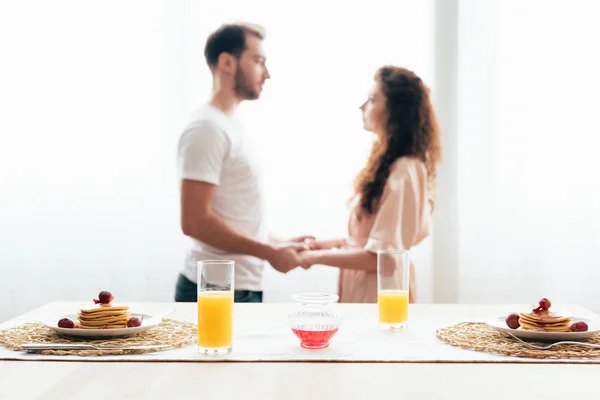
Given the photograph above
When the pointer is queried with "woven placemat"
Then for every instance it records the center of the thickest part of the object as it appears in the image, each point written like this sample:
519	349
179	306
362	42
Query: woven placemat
482	337
169	332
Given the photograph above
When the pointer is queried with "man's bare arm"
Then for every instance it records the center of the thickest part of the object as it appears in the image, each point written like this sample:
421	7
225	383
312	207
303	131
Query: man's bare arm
198	221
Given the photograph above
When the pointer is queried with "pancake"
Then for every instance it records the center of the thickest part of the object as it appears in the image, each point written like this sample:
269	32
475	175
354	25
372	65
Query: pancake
88	317
544	320
561	328
104	326
103	316
103	308
116	320
544	316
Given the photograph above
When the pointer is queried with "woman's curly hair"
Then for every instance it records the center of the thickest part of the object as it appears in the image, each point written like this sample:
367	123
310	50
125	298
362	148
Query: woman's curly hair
412	131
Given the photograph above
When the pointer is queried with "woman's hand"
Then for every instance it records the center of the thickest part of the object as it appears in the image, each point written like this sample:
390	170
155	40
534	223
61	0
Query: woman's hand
325	244
309	258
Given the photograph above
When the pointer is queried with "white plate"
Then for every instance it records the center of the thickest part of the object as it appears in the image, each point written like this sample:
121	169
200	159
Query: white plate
499	323
148	322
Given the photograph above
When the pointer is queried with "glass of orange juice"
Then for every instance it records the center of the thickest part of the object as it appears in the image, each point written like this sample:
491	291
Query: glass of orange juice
215	306
393	268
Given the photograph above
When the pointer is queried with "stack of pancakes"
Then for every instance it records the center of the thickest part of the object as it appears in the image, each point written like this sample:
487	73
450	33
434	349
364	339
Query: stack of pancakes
103	316
544	320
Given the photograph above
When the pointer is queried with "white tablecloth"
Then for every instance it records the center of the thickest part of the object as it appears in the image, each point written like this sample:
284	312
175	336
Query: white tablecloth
262	333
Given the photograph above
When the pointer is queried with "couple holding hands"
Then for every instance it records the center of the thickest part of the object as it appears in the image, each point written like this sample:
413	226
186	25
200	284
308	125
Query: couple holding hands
222	204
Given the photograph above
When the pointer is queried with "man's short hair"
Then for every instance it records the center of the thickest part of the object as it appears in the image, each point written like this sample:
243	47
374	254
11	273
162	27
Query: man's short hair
229	38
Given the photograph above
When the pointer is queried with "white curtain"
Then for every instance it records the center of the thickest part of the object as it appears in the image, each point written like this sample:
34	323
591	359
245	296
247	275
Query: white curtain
529	206
307	123
88	195
94	97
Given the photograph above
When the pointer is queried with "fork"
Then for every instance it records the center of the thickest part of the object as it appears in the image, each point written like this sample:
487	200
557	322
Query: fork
61	346
549	346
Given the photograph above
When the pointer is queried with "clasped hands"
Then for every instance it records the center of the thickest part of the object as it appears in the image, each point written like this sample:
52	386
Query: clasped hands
297	252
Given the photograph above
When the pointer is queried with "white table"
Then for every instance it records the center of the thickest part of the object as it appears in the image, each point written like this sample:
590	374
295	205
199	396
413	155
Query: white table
281	380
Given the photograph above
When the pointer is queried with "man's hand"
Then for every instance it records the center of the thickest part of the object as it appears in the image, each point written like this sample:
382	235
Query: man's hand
285	256
293	241
302	239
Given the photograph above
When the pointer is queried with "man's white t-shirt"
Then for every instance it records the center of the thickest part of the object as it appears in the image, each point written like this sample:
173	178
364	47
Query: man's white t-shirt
214	149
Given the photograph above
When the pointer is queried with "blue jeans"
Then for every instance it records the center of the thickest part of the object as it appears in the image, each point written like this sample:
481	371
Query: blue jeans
187	291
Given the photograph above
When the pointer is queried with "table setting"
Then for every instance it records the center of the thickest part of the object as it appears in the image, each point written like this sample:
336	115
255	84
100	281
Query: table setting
313	328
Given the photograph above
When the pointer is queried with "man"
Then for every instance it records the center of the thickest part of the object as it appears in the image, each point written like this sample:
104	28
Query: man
221	196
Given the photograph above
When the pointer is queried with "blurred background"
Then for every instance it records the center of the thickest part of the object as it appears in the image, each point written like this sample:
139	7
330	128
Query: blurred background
94	95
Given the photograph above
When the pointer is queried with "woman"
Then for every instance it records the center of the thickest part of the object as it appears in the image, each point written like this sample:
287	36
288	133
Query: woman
392	200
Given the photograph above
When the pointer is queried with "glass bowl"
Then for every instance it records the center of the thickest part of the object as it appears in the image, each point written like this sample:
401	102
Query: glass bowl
314	321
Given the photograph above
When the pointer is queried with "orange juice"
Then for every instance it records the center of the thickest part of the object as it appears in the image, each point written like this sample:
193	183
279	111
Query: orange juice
393	306
215	319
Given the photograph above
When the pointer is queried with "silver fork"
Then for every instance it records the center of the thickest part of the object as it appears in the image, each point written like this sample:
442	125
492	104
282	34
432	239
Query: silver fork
549	346
61	346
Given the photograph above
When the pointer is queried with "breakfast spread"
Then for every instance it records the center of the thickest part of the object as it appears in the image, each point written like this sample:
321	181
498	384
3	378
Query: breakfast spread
102	314
540	318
